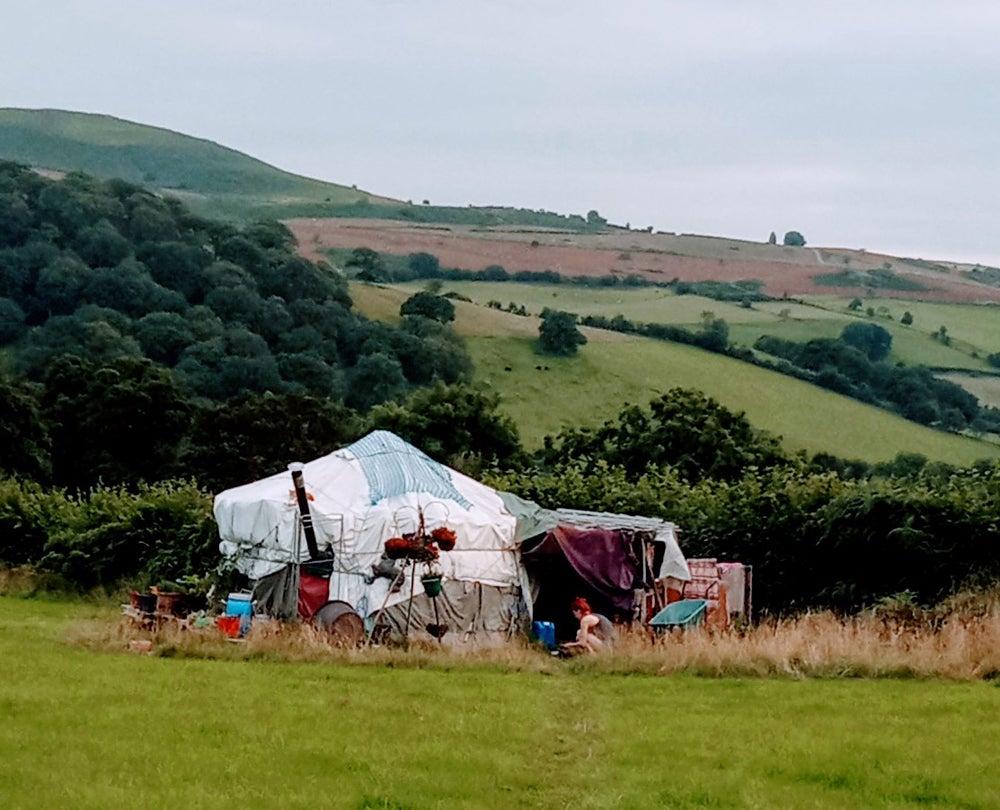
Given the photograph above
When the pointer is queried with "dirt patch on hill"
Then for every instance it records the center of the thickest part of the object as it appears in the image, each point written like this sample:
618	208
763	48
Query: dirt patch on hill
656	257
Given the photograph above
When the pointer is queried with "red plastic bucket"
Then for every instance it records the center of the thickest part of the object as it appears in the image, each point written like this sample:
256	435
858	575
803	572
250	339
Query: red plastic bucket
230	625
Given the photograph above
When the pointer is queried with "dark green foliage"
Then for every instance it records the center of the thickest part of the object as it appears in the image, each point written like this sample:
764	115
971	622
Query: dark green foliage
713	336
374	379
558	335
97	335
876	279
424	265
907	318
739	291
24	441
106	270
494	272
875	341
794	239
814	540
12	321
428	305
120	423
692	433
255	436
101	245
367	265
455	424
915	393
158	533
163	336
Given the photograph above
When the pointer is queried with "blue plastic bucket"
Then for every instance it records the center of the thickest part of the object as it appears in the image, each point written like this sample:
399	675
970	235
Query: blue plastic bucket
239	604
545	632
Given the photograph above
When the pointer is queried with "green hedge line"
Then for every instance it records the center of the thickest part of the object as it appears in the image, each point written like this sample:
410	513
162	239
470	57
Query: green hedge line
109	535
815	540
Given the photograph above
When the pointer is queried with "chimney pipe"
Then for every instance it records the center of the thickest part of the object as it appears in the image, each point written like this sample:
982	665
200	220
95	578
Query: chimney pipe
303	500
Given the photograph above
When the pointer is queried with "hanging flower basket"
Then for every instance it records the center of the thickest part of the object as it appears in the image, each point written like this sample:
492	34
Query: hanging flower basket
420	546
432	584
444	537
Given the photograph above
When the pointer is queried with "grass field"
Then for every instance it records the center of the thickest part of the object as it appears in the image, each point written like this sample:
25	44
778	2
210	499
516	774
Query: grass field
84	729
613	369
974	329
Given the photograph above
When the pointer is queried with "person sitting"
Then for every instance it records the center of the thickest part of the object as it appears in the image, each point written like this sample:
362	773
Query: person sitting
596	632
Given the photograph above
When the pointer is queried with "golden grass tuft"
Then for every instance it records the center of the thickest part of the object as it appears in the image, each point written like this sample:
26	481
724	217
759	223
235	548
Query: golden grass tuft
962	646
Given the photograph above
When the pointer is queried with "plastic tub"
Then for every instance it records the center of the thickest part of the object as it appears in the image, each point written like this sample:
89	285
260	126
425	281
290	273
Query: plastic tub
230	625
239	604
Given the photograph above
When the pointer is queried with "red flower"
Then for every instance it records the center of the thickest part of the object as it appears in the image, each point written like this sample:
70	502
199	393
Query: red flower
444	537
396	548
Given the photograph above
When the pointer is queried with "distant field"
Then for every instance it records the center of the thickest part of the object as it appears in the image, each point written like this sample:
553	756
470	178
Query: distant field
614	369
987	389
976	326
783	271
969	325
95	730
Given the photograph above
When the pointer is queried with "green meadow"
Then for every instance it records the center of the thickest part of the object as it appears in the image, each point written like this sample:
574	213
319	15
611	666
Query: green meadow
87	729
546	394
974	329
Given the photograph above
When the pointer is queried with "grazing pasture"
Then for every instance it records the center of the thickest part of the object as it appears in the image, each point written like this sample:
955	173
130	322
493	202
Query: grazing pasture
88	727
545	394
973	330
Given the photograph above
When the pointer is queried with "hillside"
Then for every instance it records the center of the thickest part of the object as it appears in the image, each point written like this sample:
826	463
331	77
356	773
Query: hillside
210	178
779	271
544	395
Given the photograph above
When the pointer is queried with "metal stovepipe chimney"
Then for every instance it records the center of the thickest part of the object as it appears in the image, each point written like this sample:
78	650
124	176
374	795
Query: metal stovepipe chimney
303	500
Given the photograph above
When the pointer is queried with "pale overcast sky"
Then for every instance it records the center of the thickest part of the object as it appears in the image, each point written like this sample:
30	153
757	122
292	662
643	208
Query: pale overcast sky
860	123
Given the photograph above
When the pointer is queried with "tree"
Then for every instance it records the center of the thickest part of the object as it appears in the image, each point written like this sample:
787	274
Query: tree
772	239
558	334
101	245
872	339
375	378
595	220
121	423
24	439
683	429
254	436
794	239
424	265
163	336
907	318
429	305
11	321
368	264
455	424
855	304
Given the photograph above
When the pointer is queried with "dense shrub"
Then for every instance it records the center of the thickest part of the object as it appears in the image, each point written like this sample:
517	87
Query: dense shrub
100	538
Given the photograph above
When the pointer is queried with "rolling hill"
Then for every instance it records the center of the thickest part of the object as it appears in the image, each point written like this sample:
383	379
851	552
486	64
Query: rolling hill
210	178
544	395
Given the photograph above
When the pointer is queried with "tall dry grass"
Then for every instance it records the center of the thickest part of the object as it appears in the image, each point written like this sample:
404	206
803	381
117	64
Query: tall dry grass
956	642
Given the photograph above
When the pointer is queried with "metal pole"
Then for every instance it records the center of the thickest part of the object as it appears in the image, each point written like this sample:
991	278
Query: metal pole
303	501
